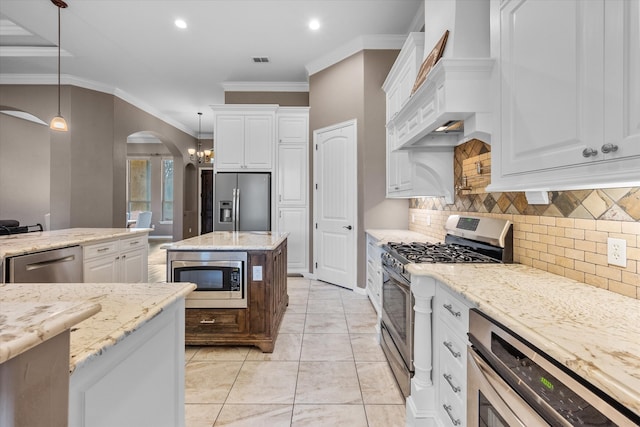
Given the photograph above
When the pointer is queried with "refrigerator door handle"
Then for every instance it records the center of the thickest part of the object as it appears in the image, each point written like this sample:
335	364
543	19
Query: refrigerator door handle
234	214
236	209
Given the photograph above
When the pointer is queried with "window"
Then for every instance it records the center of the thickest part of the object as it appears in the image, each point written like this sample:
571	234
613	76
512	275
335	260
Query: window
139	188
167	189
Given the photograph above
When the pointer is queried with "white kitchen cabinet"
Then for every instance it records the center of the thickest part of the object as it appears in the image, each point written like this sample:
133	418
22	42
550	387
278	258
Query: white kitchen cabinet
397	87
374	273
295	221
115	261
292	186
293	125
292	174
138	382
451	325
244	137
569	95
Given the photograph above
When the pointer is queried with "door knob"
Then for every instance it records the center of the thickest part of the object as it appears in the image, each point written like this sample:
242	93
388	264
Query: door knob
348	227
609	148
588	152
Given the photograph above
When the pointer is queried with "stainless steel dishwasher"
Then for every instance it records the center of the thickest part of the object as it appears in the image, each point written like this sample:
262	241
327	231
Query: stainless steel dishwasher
63	265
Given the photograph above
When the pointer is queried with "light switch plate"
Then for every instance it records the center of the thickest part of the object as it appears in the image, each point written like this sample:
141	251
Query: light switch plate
617	252
256	273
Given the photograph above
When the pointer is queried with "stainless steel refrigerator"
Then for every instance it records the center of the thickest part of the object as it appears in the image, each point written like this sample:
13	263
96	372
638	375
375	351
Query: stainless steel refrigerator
242	202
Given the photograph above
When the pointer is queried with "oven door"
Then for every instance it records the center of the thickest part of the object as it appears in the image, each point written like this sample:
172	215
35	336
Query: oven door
491	402
397	322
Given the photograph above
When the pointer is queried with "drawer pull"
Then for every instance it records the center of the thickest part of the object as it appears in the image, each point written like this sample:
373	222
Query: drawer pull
448	377
103	249
134	243
207	322
449	346
449	308
455	421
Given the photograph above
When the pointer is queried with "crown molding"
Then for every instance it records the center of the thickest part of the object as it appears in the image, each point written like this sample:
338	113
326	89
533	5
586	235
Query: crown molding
265	86
372	42
65	79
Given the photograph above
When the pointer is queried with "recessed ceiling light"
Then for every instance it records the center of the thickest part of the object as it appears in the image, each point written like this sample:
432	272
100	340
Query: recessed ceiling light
180	23
314	24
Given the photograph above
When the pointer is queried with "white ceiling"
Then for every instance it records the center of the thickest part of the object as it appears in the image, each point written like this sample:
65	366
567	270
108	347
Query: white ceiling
132	48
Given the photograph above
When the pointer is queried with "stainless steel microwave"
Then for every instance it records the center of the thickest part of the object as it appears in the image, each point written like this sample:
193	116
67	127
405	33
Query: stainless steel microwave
220	277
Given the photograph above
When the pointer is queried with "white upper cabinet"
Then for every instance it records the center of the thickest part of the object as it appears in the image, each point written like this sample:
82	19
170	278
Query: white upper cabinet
293	128
568	79
244	137
292	174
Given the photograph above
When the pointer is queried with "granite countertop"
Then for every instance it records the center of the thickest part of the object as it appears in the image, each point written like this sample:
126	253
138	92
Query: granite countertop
594	332
231	240
24	325
125	308
19	244
407	236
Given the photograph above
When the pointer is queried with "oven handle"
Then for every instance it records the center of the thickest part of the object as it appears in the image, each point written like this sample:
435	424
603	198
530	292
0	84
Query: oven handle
398	278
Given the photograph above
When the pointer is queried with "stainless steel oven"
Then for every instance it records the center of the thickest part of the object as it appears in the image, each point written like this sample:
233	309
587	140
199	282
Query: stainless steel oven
512	383
397	326
468	240
220	277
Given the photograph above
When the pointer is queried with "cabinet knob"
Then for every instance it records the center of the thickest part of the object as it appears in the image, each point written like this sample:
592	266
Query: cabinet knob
609	148
589	152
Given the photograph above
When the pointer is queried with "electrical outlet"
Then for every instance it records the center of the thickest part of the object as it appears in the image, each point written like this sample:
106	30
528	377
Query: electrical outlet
428	219
413	218
617	252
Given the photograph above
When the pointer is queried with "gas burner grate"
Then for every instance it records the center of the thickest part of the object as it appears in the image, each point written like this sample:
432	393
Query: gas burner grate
417	252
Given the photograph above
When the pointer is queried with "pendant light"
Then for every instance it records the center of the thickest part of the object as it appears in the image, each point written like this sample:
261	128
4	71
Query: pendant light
58	122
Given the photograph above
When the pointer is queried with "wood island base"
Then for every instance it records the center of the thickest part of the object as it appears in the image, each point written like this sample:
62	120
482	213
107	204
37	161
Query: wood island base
255	325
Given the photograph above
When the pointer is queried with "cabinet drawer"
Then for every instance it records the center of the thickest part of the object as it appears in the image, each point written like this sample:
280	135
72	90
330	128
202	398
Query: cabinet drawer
452	311
451	377
100	249
210	321
132	243
452	350
452	410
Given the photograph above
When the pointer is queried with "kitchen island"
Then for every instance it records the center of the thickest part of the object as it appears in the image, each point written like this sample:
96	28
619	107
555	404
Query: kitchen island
592	332
108	254
126	363
210	320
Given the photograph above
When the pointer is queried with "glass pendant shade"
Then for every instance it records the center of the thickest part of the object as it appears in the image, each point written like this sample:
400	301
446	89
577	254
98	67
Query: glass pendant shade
59	123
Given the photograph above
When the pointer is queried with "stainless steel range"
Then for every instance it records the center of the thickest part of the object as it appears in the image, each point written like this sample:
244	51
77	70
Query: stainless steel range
468	240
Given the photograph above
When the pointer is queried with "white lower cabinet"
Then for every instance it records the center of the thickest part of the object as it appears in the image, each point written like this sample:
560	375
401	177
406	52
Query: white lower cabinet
137	382
439	385
451	324
374	273
114	261
295	222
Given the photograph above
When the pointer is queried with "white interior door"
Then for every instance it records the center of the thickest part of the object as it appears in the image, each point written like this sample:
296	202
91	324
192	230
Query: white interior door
335	198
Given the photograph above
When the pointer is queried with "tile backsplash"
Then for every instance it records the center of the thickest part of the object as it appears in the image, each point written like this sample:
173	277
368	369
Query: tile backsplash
567	237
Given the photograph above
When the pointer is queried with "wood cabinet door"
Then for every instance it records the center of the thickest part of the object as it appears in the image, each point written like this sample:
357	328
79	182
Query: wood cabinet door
259	296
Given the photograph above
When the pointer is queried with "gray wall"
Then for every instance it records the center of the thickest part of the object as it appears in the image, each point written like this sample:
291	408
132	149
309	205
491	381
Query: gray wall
284	99
351	89
87	185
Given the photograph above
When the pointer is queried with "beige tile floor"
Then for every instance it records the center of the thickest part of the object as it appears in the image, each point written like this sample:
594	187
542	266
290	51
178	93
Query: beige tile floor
327	368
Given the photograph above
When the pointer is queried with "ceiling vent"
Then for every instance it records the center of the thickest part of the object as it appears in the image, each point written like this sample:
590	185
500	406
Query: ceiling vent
260	59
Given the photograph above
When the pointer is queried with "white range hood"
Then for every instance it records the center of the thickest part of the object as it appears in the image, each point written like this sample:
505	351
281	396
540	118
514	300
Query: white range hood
457	93
455	89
